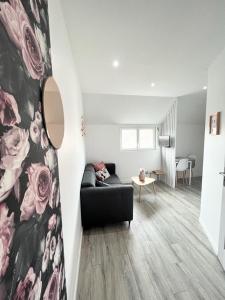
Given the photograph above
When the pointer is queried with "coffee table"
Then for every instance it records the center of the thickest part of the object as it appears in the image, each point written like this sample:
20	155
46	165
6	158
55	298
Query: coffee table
148	181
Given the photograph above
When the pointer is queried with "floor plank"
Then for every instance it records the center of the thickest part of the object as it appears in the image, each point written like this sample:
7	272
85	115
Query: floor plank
164	254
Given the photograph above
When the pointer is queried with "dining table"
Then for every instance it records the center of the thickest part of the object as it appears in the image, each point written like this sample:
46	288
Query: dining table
191	165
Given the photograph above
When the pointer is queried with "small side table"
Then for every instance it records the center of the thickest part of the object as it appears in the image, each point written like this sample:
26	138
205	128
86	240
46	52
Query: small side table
158	173
142	184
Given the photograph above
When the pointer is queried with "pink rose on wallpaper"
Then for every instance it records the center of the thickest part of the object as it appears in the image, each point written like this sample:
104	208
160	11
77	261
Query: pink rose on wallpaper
35	10
35	293
9	114
17	25
52	222
14	147
6	235
52	291
8	179
24	288
40	182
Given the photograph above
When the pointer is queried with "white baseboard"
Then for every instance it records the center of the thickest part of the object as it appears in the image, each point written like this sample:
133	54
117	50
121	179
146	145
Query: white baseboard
211	240
78	268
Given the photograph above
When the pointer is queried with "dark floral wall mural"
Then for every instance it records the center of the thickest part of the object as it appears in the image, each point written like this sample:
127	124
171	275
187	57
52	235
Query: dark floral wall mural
31	242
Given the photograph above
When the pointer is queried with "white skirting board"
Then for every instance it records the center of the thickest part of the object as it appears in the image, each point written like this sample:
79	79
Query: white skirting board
212	242
74	293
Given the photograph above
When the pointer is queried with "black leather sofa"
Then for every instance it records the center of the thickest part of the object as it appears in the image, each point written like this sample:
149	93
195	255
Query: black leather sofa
105	203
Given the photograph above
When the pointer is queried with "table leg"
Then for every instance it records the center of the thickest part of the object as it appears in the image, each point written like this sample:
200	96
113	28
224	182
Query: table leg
190	171
154	188
140	194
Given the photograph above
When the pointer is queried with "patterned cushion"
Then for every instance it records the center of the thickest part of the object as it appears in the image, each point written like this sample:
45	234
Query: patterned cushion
102	174
99	166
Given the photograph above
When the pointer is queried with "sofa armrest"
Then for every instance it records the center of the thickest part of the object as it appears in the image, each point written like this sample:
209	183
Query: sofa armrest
111	168
106	204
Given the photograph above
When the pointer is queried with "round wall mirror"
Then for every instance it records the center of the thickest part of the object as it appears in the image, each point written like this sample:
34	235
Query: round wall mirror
53	112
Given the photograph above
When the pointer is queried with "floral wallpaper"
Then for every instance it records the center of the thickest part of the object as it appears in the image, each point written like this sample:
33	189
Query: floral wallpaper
31	242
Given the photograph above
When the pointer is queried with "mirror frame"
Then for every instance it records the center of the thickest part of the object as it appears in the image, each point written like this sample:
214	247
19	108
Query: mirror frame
54	145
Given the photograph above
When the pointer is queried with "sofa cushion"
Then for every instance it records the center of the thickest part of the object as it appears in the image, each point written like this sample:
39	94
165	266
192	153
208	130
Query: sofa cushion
102	175
89	177
101	184
113	179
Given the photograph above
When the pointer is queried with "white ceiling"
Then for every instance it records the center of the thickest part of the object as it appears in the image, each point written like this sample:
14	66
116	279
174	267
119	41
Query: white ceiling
124	109
191	109
169	42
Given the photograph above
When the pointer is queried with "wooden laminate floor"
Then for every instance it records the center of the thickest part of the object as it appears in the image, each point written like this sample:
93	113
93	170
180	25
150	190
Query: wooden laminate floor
164	254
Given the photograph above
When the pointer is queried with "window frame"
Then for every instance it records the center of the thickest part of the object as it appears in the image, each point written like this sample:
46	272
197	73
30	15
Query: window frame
138	128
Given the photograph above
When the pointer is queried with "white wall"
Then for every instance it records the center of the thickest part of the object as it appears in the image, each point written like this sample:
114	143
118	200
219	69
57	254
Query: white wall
214	154
105	114
72	153
103	143
168	127
191	128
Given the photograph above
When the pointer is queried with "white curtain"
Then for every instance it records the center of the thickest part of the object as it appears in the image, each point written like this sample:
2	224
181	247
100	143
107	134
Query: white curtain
168	155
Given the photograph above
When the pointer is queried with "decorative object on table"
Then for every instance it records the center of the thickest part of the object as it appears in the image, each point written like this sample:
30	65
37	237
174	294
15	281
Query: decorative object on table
53	112
83	127
142	175
148	181
214	123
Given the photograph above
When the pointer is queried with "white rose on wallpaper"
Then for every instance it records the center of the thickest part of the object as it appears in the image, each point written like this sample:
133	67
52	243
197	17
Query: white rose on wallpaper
53	198
41	37
58	252
44	139
8	179
35	133
45	260
27	207
14	147
34	9
6	236
50	159
48	239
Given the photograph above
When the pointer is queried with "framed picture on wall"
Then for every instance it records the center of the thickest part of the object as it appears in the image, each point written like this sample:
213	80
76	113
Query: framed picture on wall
214	123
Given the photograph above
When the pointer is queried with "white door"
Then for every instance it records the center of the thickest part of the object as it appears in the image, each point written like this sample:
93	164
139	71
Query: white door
221	253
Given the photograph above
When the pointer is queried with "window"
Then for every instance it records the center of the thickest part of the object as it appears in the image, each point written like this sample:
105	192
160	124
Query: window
146	138
129	139
137	138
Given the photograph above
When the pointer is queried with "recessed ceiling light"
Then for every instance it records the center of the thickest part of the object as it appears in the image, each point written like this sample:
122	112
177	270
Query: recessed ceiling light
204	88
153	84
116	64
